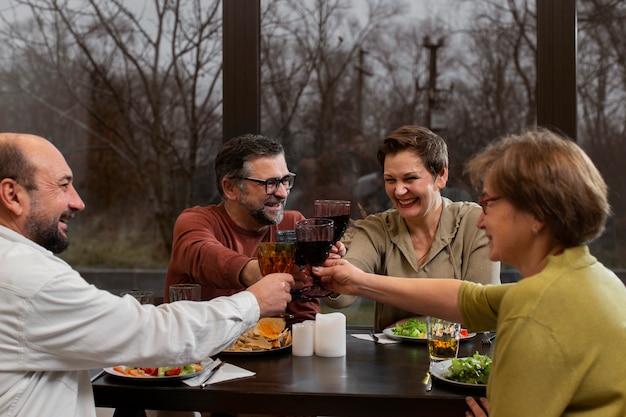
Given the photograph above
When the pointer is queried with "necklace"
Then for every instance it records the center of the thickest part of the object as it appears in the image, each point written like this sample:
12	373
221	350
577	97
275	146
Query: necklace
429	234
423	257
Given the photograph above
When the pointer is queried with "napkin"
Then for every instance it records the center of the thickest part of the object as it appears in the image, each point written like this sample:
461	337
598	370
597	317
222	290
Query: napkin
382	338
227	372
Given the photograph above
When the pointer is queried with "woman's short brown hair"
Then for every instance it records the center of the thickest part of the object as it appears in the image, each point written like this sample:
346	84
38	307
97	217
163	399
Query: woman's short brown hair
550	177
431	148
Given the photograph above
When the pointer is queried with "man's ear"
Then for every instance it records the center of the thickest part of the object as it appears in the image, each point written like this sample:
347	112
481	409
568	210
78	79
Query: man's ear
11	196
229	186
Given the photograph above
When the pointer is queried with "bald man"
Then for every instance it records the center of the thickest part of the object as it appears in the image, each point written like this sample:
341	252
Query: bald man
54	326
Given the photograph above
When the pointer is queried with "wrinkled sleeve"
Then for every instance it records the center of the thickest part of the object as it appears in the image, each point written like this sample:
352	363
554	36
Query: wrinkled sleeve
367	246
365	253
70	324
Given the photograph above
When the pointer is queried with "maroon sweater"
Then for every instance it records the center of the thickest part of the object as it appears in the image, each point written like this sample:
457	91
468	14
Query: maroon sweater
211	250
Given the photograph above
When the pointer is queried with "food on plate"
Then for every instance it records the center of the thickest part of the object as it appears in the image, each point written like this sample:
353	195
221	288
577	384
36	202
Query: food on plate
269	333
160	371
411	328
474	369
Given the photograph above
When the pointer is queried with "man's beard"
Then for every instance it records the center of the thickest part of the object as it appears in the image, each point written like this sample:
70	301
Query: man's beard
46	233
261	216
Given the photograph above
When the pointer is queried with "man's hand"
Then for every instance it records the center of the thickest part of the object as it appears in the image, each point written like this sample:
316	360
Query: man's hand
272	293
302	277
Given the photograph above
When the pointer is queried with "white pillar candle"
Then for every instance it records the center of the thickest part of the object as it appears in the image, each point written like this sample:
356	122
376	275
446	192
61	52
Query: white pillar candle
330	334
303	338
311	324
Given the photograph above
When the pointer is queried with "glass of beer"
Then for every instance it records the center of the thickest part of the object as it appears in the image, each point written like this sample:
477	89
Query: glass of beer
442	338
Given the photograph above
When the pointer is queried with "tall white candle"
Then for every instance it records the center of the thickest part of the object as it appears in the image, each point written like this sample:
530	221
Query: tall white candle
330	334
303	335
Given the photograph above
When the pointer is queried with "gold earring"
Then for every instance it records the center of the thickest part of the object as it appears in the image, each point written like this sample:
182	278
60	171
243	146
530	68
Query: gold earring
534	230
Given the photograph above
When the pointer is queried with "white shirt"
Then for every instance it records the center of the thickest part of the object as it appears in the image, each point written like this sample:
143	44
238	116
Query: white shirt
54	326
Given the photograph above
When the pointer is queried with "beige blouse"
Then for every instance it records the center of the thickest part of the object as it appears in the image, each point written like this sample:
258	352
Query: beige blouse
382	245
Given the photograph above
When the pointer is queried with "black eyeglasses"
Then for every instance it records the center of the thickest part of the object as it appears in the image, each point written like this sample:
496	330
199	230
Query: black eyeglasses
272	184
484	202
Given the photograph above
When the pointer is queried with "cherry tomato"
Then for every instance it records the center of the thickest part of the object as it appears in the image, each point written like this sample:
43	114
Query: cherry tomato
151	371
173	371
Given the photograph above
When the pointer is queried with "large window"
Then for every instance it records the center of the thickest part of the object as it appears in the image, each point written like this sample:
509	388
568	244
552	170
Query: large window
337	76
132	94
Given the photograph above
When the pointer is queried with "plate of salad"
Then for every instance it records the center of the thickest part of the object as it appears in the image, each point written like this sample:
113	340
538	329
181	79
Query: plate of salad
414	330
163	373
472	371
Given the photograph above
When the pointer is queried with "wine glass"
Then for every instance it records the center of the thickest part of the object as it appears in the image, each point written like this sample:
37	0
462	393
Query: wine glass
336	210
314	241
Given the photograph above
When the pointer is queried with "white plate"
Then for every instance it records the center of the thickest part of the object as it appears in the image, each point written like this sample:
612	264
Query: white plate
440	371
150	378
255	352
389	332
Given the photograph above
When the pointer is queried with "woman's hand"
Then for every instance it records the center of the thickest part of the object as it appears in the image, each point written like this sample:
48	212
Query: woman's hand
340	276
338	251
477	410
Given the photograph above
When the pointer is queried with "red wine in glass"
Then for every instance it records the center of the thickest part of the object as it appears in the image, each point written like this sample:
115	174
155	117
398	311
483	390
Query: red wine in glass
314	253
336	210
314	241
341	223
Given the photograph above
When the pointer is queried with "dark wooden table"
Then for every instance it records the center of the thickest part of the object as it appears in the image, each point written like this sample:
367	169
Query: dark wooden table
371	380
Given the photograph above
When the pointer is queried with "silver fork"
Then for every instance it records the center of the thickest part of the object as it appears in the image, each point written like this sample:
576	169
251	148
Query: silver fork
488	339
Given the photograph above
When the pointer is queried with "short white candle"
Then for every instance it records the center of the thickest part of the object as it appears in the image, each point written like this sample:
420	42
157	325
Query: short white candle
303	336
330	334
311	323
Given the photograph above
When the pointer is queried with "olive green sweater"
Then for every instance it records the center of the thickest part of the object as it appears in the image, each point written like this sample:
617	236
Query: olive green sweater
561	342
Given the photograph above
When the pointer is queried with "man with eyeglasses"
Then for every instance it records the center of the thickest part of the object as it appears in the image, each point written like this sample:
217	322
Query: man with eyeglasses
54	326
216	245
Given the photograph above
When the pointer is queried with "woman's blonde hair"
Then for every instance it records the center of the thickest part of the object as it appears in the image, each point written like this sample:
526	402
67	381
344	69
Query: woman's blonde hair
550	177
